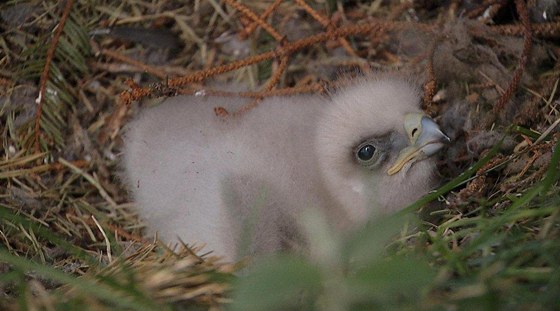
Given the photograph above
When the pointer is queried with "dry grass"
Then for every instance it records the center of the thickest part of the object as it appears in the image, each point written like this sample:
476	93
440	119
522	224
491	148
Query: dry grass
70	234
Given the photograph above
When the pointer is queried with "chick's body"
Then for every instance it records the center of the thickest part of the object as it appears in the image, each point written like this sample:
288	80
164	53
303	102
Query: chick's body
239	185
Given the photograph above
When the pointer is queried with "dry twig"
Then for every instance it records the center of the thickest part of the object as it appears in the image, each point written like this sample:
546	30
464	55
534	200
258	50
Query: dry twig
257	19
251	27
45	75
527	44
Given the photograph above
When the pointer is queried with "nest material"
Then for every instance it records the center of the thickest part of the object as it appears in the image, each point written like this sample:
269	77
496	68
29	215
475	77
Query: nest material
63	206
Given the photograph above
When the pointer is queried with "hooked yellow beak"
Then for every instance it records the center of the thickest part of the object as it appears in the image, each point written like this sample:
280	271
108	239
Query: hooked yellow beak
425	139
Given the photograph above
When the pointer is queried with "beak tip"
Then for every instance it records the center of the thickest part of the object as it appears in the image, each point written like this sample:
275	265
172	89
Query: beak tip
430	141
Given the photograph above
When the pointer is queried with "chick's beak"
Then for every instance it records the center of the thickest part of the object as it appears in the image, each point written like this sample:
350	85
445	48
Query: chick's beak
425	139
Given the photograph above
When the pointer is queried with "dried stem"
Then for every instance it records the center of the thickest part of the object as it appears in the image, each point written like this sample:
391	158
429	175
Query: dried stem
430	85
45	74
286	49
250	28
521	7
325	22
542	30
269	85
250	14
312	88
291	47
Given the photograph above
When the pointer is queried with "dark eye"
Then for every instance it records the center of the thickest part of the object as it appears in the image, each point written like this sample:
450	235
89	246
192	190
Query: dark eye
372	152
366	152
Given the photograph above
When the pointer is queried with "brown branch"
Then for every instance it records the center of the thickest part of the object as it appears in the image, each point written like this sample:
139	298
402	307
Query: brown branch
284	60
430	85
201	75
325	22
294	46
541	30
312	88
45	74
269	85
250	14
251	27
285	50
316	15
521	7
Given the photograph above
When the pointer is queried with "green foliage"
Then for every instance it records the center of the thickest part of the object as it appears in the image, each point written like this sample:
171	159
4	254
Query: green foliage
510	259
280	282
362	277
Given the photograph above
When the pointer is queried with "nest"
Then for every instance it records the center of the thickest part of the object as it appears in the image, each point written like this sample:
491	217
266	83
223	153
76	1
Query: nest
73	74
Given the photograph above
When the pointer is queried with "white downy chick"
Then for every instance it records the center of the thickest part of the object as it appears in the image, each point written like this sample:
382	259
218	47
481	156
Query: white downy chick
239	185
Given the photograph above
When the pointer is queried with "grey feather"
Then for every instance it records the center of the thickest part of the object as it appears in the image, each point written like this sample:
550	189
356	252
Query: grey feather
240	185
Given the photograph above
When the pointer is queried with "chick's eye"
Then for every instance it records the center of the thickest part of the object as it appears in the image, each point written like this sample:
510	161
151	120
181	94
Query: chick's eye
366	152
